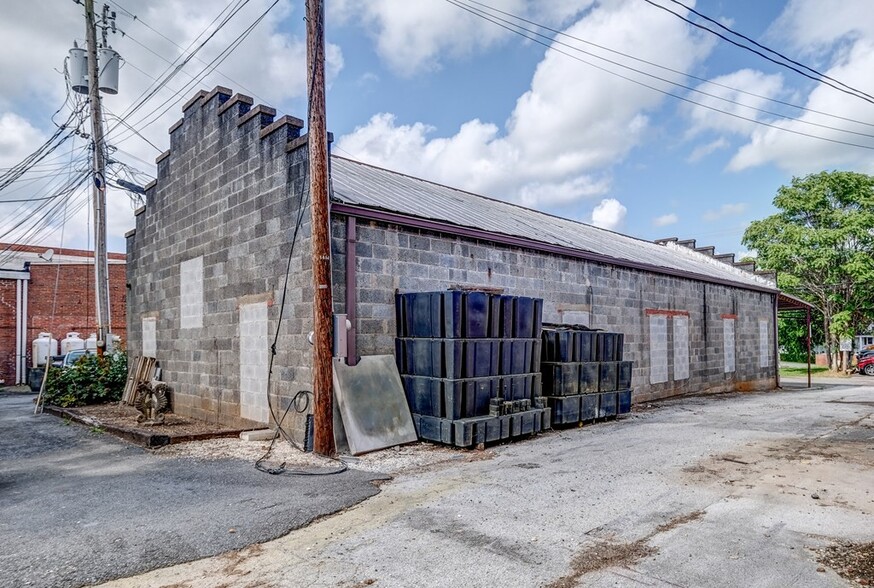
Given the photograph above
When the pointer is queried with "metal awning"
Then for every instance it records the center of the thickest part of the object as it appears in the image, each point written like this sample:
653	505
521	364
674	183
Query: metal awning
787	303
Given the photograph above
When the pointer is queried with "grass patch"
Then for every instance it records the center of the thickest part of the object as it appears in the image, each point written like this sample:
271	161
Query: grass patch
815	370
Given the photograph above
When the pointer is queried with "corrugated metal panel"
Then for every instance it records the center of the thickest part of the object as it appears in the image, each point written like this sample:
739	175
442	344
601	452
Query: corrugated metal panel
364	185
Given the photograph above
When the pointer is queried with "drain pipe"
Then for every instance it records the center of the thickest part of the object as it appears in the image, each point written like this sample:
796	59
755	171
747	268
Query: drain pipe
776	343
351	291
24	342
18	336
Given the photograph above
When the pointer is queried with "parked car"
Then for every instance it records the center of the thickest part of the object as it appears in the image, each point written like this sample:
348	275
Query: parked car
863	354
865	364
65	361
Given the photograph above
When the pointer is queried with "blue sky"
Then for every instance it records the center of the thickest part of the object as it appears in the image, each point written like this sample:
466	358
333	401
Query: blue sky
429	89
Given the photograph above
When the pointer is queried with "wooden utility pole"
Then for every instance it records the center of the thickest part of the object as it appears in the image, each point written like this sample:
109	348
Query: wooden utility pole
323	412
98	184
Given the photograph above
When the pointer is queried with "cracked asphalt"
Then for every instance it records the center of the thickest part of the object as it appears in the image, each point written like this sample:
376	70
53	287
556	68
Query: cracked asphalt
720	491
79	507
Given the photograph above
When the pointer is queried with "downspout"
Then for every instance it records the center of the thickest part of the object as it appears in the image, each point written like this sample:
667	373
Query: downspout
24	342
18	335
776	344
351	291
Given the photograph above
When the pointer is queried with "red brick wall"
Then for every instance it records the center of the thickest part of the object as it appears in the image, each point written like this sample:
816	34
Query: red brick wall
7	331
74	306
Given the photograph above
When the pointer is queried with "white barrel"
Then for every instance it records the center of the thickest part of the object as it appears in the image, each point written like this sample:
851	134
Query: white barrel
91	342
43	347
108	60
77	68
72	342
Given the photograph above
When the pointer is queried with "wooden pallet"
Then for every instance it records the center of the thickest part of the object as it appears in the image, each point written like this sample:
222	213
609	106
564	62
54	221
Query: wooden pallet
141	370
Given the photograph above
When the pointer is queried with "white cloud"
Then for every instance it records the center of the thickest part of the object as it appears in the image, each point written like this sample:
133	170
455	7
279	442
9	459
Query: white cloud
609	214
724	211
565	131
702	151
810	25
17	139
838	39
412	37
665	220
270	63
759	88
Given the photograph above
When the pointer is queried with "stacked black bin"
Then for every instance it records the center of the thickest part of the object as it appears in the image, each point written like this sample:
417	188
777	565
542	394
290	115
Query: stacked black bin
470	364
584	376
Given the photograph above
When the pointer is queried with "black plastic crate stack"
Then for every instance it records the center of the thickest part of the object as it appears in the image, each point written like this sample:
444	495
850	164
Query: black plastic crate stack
470	364
584	376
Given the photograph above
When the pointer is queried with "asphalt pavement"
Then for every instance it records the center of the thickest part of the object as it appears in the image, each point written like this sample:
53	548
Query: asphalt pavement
78	506
717	492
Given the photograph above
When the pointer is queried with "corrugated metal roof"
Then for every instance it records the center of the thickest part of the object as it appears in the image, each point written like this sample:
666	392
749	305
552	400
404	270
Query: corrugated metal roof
364	185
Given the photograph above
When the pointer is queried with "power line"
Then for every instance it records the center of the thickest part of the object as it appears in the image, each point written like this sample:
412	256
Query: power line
149	93
136	132
169	103
136	18
852	92
768	49
511	28
663	67
659	78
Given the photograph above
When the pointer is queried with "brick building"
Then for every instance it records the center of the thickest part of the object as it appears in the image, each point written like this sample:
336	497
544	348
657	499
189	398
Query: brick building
42	294
207	260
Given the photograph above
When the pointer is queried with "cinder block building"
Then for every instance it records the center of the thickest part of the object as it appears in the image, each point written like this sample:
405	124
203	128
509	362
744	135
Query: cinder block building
42	294
207	262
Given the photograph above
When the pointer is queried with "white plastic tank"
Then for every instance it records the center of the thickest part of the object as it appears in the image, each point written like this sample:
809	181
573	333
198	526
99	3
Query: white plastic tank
72	342
91	343
43	347
108	58
77	68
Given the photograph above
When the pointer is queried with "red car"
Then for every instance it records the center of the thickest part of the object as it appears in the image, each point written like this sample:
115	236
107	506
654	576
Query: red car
866	365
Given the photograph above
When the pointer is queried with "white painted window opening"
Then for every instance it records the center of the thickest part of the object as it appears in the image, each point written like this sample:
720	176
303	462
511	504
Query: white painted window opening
253	362
728	343
764	355
681	347
658	348
191	293
150	337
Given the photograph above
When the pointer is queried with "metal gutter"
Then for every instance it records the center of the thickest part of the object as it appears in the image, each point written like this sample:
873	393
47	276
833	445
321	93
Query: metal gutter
526	243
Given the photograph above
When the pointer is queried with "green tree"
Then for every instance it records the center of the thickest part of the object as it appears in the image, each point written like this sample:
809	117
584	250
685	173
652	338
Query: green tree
821	243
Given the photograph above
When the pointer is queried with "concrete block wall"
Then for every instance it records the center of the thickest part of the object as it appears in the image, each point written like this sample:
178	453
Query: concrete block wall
207	260
392	258
211	247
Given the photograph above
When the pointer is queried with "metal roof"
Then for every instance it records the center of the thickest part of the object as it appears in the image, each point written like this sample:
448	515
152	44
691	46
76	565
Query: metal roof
362	185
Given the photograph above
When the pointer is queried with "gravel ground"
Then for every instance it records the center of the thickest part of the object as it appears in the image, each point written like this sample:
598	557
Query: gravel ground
853	561
390	461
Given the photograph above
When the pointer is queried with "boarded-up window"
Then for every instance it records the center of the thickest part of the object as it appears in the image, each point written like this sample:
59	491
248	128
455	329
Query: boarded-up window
764	349
681	347
253	362
191	293
150	337
728	343
658	348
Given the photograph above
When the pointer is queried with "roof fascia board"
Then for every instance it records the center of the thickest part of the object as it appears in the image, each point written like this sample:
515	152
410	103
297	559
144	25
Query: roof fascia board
472	233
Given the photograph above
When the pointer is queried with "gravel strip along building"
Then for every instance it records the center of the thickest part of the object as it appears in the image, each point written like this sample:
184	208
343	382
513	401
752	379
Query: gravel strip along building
207	262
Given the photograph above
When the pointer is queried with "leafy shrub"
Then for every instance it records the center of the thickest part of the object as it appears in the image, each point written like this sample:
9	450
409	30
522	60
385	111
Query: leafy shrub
91	380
